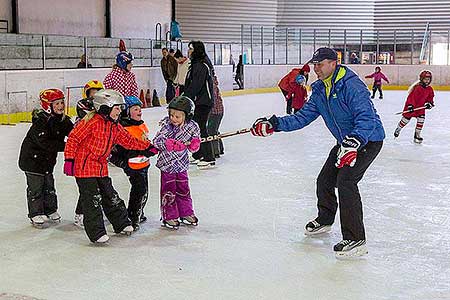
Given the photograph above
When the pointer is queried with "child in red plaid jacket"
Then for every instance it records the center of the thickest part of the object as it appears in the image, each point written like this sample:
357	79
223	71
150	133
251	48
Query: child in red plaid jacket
86	157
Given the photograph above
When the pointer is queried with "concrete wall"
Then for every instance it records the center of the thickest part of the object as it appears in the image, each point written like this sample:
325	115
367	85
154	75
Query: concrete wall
23	86
6	14
82	17
257	76
137	18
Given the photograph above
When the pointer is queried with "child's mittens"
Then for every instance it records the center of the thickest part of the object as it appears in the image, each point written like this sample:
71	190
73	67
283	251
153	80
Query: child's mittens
174	145
69	167
194	145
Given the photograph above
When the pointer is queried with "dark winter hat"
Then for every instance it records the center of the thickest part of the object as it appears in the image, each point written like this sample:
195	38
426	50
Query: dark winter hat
323	53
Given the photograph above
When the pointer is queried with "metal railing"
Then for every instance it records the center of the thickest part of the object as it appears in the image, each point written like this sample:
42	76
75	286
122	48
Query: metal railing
64	52
4	26
283	45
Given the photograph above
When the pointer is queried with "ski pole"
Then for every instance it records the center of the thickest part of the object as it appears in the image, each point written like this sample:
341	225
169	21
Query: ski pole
407	111
224	135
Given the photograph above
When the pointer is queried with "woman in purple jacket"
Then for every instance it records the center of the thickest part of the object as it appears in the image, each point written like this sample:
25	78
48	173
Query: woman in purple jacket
178	135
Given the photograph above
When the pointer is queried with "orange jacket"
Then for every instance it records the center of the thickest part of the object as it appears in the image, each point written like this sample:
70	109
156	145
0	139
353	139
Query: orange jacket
90	143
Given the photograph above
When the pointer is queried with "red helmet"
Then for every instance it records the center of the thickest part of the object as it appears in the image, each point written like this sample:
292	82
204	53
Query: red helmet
48	96
425	74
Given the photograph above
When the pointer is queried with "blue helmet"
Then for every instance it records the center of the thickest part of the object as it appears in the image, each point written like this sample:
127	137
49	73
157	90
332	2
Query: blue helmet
123	58
300	79
132	101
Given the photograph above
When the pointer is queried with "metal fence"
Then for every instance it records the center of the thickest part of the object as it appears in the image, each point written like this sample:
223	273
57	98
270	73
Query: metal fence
282	45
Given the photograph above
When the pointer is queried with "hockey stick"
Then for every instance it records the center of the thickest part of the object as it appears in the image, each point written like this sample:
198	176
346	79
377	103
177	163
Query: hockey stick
407	111
224	135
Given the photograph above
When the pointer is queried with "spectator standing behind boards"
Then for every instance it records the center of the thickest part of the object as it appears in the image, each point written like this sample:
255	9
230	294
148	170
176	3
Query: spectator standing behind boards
239	73
121	79
169	68
354	59
82	62
183	67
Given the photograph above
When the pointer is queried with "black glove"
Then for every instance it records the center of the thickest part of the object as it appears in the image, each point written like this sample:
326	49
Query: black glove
151	151
410	108
428	105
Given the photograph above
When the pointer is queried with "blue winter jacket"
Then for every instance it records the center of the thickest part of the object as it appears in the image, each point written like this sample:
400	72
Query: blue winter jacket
348	111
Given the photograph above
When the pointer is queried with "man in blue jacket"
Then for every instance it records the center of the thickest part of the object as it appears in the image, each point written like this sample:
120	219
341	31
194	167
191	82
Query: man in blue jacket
343	101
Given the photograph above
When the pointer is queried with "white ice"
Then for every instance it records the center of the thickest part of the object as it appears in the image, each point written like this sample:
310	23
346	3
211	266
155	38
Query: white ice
252	209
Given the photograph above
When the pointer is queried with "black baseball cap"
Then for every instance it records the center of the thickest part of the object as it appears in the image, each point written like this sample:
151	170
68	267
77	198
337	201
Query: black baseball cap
323	53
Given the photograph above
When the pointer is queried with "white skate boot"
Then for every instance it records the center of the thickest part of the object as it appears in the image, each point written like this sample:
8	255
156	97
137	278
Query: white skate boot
103	239
78	220
55	217
127	230
38	221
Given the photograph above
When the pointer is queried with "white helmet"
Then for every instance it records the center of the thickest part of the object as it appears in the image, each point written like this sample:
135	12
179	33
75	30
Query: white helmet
108	98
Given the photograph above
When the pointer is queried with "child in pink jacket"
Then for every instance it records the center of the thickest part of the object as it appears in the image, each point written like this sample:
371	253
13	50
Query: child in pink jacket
377	77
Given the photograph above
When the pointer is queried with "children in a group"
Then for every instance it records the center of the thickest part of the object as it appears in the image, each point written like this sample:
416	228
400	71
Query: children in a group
178	135
288	83
84	106
135	163
86	157
377	83
420	98
38	155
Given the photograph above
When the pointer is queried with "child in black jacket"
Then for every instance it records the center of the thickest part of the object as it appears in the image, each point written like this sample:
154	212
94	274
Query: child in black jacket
38	155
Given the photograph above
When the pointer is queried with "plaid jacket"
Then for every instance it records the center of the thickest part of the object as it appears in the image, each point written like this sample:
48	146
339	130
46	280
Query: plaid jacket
90	144
122	81
174	161
218	102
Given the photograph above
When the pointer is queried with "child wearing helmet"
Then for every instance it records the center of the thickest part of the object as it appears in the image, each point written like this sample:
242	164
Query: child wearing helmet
38	153
135	163
377	77
121	78
84	106
178	135
420	98
288	84
86	157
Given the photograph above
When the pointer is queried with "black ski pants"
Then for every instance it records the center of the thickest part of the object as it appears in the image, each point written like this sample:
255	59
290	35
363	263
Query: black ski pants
41	194
138	193
346	181
95	193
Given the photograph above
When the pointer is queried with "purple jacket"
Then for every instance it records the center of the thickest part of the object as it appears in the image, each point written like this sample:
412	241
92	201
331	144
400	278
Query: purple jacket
174	161
377	76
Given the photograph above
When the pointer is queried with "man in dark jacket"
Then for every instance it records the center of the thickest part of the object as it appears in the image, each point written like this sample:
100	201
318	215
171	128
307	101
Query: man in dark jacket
343	101
38	155
199	87
169	67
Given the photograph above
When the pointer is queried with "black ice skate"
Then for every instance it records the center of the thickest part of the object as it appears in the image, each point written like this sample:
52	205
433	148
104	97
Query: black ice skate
190	220
171	224
349	248
313	228
397	132
418	139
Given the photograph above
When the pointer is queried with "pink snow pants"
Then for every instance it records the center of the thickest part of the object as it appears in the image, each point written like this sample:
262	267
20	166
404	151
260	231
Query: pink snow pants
176	201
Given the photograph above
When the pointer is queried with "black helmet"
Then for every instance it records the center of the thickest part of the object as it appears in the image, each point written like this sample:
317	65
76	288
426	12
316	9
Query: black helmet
184	104
84	106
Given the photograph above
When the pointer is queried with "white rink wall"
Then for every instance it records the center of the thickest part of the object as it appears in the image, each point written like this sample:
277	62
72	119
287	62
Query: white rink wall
16	83
263	76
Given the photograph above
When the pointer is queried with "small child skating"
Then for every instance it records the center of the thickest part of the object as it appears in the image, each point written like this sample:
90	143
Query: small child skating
86	157
84	106
298	93
38	155
289	83
377	83
420	98
135	163
178	135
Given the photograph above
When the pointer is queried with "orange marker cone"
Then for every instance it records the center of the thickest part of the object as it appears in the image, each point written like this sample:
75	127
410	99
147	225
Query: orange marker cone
141	97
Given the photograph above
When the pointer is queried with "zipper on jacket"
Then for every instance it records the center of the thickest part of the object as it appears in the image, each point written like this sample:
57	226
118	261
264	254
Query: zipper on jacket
329	107
106	149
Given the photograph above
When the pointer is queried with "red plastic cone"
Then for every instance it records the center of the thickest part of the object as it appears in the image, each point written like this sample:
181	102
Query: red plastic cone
142	98
122	46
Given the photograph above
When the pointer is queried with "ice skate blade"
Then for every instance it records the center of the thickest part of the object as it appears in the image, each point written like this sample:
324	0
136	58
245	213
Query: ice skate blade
187	223
167	226
206	167
351	254
323	230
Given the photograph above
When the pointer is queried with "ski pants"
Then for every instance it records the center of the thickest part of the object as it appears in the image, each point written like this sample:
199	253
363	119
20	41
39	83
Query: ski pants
346	181
95	193
176	198
41	194
138	193
213	129
375	88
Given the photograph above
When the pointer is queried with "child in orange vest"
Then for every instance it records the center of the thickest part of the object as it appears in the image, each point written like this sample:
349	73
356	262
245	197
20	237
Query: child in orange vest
135	163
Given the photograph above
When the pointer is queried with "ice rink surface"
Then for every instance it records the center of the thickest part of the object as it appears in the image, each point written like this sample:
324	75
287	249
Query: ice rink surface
252	209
